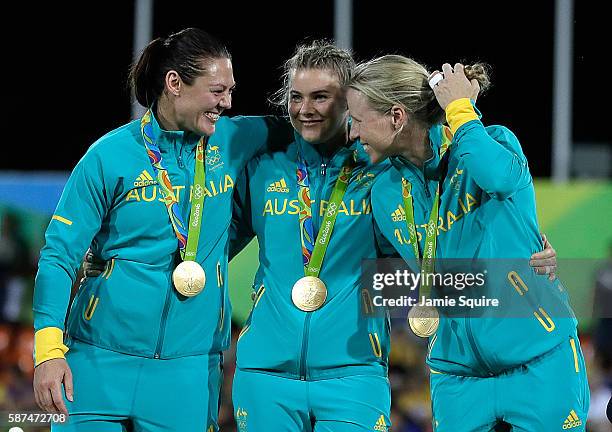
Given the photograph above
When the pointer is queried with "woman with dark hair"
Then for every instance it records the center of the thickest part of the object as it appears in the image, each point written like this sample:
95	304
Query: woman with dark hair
143	342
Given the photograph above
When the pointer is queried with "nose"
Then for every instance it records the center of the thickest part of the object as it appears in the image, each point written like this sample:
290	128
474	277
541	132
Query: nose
306	107
226	101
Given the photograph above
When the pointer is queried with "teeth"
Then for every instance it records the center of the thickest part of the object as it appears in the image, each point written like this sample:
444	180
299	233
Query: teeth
212	116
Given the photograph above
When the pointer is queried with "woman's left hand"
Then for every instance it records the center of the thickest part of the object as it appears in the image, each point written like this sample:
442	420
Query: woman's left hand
455	85
545	262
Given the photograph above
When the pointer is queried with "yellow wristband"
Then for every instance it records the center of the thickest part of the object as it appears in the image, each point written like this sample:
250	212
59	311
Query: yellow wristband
459	112
48	344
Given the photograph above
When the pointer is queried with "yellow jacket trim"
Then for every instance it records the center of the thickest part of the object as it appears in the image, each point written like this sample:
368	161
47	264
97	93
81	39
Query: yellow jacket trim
573	344
48	344
62	219
459	112
243	331
375	342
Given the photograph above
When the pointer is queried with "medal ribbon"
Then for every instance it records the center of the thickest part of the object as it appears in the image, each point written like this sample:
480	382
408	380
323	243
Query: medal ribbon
187	237
313	251
427	261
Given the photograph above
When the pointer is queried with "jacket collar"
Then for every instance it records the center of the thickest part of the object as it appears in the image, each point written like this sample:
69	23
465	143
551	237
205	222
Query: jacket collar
312	157
165	137
431	167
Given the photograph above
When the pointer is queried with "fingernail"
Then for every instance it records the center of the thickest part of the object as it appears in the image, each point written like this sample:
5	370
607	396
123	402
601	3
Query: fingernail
69	397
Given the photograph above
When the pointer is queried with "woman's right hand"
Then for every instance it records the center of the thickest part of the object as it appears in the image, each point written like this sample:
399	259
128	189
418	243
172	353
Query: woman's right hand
455	85
48	379
92	267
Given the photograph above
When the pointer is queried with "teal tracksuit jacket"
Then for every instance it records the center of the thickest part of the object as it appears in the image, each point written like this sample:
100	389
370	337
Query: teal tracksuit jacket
113	203
335	340
487	210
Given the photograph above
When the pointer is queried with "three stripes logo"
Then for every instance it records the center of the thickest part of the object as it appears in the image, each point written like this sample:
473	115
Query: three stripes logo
278	186
241	419
572	421
381	425
399	214
144	179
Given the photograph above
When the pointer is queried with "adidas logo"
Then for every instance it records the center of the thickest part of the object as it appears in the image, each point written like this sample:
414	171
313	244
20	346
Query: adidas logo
572	421
144	179
241	419
381	425
278	186
399	214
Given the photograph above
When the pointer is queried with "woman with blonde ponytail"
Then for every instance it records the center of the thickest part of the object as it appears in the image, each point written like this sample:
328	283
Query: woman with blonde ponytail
465	192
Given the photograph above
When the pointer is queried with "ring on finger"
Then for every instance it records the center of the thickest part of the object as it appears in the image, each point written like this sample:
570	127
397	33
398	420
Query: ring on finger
435	79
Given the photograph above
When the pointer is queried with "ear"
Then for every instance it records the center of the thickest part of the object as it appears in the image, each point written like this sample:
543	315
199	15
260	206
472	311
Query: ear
399	116
173	82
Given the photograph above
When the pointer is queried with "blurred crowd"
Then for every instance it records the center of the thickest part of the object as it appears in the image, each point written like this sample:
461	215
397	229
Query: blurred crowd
409	376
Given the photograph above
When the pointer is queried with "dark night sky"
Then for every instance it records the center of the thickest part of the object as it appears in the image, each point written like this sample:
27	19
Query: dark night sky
69	83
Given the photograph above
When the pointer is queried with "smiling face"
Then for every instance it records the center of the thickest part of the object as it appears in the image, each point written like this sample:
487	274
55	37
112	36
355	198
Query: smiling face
374	129
317	105
200	104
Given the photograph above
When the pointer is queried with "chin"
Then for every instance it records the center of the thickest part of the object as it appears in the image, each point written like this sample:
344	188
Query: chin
311	138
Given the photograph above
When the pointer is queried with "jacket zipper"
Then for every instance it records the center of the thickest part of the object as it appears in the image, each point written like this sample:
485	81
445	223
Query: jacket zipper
316	223
481	361
164	318
162	326
426	186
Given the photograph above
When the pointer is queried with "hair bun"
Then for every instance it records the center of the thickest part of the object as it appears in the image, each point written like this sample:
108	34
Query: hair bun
479	72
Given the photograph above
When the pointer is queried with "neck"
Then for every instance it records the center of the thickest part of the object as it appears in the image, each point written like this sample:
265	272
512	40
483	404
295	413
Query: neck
415	145
328	148
166	116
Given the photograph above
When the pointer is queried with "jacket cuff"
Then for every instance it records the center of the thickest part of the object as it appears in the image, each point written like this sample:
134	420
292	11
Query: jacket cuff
48	344
459	112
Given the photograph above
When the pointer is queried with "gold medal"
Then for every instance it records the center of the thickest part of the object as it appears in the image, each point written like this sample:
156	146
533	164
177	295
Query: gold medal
309	293
189	278
423	320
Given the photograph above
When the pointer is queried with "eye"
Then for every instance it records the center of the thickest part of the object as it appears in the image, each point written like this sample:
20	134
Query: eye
321	98
295	98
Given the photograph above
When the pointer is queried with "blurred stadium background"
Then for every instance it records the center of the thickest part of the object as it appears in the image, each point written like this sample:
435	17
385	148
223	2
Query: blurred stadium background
546	64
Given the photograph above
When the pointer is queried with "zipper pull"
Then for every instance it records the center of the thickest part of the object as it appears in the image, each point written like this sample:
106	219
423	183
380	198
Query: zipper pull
180	161
323	169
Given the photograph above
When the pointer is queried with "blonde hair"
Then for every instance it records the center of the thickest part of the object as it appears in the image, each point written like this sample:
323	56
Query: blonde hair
397	80
318	54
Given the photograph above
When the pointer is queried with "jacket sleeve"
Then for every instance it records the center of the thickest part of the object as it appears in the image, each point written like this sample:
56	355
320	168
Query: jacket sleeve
384	246
259	134
241	229
77	219
495	159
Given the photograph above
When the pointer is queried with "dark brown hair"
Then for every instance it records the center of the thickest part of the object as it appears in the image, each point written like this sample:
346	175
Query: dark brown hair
186	52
